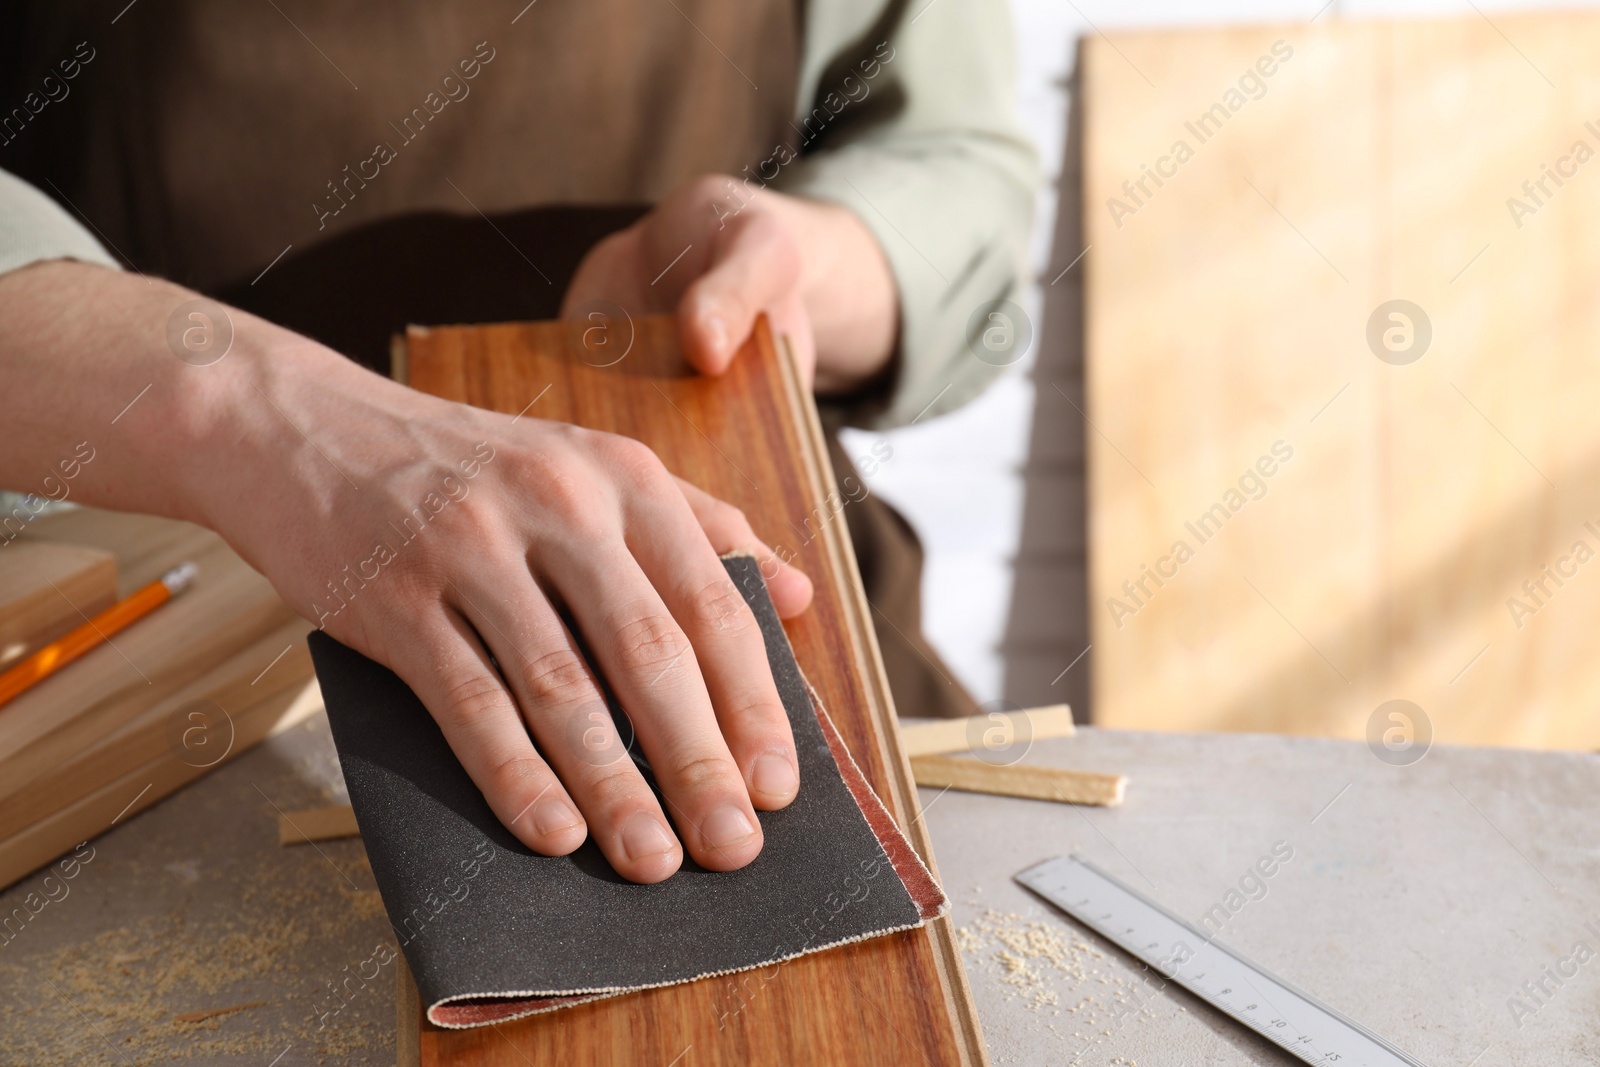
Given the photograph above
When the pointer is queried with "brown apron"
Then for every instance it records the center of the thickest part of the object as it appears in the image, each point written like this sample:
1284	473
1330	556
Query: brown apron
344	169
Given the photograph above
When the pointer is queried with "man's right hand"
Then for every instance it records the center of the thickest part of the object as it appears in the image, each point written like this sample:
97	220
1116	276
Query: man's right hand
431	536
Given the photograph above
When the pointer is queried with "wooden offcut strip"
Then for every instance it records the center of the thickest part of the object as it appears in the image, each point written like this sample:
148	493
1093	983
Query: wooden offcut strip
212	1013
1034	783
971	734
317	824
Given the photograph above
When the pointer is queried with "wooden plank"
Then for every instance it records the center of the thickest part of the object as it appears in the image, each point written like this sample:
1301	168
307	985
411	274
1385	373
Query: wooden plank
119	800
997	729
190	725
880	709
317	824
228	607
1368	523
750	438
1019	780
48	589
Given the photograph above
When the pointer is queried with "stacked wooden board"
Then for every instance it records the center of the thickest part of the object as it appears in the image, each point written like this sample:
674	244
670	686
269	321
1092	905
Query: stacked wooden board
751	438
1302	506
182	690
43	589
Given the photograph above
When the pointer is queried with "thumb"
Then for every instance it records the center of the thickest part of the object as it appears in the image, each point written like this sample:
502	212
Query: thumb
755	264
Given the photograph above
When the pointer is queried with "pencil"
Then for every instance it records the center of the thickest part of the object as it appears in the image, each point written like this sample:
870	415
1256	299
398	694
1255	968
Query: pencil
62	651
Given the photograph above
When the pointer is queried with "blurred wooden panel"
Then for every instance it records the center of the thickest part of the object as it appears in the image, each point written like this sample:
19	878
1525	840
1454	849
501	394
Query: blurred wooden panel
751	438
1345	165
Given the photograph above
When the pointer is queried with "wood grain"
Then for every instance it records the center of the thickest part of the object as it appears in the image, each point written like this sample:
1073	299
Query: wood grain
1228	311
48	589
999	729
1019	780
750	438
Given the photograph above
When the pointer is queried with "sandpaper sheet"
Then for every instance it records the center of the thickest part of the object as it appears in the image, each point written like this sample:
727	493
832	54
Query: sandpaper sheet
493	931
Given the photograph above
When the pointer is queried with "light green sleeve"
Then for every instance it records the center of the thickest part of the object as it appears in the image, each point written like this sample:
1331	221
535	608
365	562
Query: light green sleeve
34	227
907	117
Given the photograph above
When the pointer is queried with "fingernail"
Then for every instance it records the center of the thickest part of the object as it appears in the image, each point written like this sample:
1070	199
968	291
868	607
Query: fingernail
643	835
716	334
773	776
552	815
726	826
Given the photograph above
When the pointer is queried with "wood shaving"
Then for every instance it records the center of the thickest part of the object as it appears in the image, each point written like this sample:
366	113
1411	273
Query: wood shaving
211	1013
1049	967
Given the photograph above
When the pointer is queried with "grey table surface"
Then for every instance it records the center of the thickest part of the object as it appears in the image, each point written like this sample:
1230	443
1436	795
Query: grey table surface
1419	900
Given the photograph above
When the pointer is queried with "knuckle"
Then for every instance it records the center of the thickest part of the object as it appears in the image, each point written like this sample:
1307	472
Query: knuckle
706	772
635	461
651	640
760	713
469	697
517	772
707	189
779	239
730	519
718	607
557	483
417	578
780	249
556	677
725	526
617	785
479	520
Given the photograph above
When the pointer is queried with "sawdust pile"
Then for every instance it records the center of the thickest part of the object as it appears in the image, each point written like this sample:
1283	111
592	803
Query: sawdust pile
112	998
1052	970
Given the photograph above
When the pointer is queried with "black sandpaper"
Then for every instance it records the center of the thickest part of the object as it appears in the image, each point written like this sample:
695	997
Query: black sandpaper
491	929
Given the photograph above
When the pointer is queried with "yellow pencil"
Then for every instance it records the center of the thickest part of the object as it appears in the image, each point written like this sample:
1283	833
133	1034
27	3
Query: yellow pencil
62	651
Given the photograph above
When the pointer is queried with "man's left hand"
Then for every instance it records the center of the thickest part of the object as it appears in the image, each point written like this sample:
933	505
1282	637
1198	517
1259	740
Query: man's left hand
719	252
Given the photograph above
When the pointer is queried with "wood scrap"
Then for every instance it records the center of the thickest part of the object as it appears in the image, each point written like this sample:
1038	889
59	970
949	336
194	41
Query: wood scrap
141	786
69	764
228	607
212	1013
111	734
317	824
1018	780
993	730
46	590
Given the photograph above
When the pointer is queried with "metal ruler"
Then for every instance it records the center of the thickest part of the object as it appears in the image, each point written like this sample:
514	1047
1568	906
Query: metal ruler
1181	953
